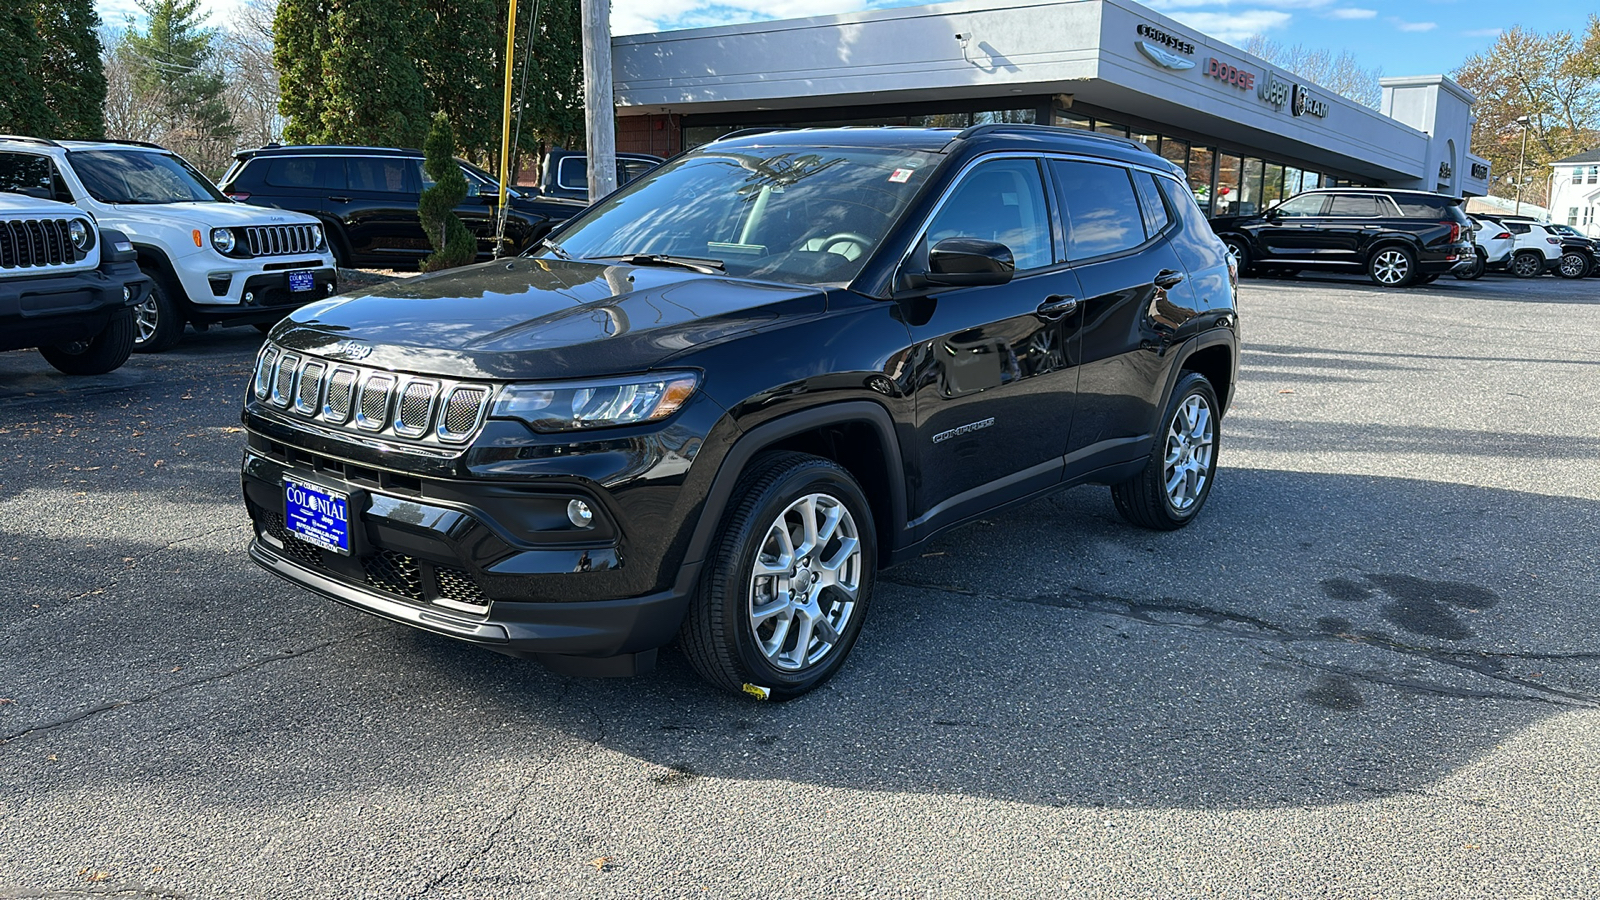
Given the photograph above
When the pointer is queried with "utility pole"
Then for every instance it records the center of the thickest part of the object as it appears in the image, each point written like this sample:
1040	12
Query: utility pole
598	106
1523	121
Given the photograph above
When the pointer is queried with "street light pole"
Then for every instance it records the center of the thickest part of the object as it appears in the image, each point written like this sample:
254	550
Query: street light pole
1522	121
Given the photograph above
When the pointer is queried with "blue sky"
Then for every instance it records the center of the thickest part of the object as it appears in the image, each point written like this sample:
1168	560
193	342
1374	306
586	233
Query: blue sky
1401	37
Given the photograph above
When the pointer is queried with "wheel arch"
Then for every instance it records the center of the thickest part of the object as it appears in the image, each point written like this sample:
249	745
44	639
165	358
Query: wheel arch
155	258
858	435
1216	361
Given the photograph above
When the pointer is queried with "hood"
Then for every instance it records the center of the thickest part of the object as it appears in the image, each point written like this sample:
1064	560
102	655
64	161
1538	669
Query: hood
211	214
532	319
23	205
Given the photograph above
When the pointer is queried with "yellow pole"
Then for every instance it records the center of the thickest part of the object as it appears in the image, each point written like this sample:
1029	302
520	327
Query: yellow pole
505	119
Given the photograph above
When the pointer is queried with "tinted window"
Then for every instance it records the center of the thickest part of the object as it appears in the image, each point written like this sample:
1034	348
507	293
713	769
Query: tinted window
1000	201
1303	205
293	172
387	175
24	173
1196	244
1155	209
1364	206
1101	210
629	169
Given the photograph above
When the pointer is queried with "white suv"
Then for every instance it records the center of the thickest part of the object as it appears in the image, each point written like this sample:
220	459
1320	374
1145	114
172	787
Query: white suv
1493	245
211	261
1537	250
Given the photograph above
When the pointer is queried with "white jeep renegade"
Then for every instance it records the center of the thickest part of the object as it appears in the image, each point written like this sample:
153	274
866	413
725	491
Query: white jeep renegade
211	261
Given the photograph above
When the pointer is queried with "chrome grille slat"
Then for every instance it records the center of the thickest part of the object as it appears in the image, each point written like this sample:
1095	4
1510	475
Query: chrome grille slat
369	399
280	240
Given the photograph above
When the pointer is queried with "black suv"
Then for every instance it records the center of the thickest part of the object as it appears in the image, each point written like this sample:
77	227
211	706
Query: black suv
712	406
1396	237
367	200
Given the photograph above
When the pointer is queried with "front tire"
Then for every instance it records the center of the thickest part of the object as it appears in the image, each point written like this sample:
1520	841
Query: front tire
1177	478
98	355
788	581
1392	266
157	322
1573	265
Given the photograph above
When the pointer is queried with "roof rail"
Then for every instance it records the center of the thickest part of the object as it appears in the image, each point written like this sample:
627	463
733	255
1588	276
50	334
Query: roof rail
130	143
28	140
746	132
1023	128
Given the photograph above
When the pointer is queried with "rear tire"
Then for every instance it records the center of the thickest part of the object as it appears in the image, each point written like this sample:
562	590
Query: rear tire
1239	252
788	581
1177	477
158	323
1392	266
1527	264
98	355
1480	263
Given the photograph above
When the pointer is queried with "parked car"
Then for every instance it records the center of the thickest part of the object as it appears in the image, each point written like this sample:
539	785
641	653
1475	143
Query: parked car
713	405
367	197
1537	250
1580	256
210	261
1492	247
66	287
1396	237
566	173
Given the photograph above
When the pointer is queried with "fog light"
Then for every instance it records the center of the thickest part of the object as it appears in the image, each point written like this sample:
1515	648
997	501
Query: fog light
580	514
249	297
127	294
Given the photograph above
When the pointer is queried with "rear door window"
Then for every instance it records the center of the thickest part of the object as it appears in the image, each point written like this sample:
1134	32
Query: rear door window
294	172
388	175
35	176
1100	209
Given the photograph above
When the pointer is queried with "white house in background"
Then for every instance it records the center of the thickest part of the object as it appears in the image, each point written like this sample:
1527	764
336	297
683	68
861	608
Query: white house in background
1575	191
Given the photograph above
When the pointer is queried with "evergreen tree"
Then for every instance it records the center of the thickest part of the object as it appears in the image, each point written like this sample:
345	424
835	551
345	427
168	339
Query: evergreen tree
23	109
71	72
459	57
372	89
453	244
553	107
300	38
175	72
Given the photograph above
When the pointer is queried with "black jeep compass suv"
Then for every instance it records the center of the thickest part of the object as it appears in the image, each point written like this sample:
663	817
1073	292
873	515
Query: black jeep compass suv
715	404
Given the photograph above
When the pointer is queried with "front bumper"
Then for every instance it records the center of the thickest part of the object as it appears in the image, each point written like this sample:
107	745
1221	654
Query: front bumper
58	307
489	564
243	297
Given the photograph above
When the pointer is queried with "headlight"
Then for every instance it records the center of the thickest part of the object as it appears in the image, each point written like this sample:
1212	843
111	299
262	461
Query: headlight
82	237
596	404
322	239
222	239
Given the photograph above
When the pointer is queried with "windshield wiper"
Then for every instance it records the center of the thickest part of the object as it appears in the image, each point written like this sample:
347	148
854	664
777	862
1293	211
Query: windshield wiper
555	248
692	263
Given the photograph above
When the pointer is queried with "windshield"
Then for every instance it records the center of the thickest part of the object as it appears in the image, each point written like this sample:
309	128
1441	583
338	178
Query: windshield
140	176
809	216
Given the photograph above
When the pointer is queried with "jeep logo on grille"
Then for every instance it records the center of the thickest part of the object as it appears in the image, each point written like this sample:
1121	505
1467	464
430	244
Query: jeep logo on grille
348	349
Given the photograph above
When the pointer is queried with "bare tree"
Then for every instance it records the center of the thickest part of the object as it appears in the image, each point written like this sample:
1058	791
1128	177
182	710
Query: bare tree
128	116
246	54
1341	74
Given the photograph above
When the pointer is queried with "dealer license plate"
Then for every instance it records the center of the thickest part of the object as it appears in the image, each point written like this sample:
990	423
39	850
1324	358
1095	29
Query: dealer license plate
317	515
302	281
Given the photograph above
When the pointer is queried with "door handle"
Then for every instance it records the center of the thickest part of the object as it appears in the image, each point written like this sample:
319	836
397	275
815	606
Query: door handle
340	199
1056	306
1167	278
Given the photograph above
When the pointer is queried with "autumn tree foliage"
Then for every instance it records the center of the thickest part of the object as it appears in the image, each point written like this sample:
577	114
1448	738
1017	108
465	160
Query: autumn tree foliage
1551	79
1340	72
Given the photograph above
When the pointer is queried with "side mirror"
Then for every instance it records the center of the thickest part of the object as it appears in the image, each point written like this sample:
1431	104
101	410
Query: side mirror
965	262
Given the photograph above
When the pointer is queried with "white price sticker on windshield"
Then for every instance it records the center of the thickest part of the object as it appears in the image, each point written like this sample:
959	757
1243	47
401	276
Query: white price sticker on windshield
901	176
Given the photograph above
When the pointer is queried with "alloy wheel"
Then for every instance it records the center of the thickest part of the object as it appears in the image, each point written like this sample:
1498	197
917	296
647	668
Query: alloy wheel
1573	266
1191	438
805	582
146	318
1391	267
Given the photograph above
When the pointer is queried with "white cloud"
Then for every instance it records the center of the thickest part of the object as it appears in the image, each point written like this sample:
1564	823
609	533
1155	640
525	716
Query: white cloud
1413	27
1352	12
643	16
115	13
1234	27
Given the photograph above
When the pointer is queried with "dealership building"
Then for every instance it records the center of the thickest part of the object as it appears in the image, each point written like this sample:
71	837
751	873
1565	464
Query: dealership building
1247	132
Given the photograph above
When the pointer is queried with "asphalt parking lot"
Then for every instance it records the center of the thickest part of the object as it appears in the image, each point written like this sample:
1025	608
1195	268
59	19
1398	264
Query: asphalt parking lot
1372	668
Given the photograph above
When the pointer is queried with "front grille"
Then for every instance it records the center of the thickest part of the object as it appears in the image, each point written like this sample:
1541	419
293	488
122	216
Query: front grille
36	243
294	548
455	584
394	572
371	400
280	240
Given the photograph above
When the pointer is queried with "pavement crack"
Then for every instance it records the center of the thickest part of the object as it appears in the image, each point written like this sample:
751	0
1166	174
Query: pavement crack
1538	693
487	844
175	688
